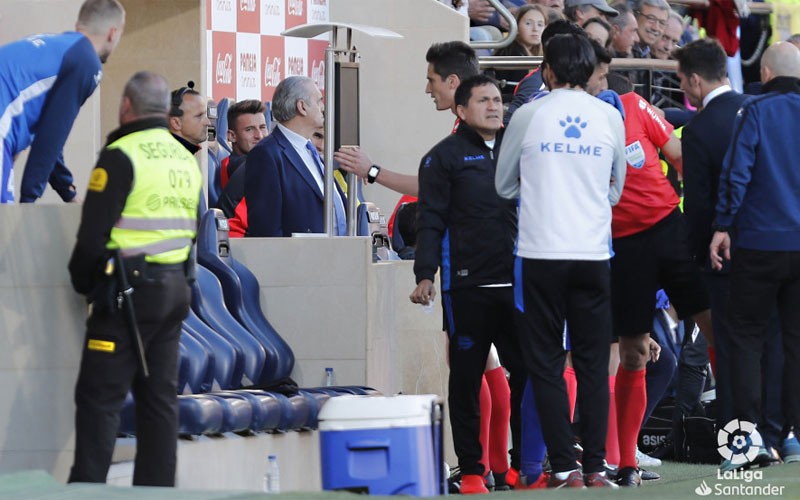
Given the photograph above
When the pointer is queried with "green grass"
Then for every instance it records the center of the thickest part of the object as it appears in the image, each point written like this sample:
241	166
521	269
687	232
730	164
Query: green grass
678	481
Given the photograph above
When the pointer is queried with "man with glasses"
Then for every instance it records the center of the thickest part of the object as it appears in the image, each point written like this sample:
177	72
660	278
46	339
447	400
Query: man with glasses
666	84
652	17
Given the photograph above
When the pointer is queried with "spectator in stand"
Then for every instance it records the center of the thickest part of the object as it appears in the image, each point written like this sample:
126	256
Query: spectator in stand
247	125
758	196
599	30
532	84
651	18
580	11
562	255
666	85
671	37
44	80
624	31
531	22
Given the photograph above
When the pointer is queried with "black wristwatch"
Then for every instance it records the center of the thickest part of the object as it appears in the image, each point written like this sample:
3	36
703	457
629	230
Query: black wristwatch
719	228
372	174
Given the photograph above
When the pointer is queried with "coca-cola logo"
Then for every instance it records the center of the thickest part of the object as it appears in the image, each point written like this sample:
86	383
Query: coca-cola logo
295	7
318	74
247	5
224	72
272	72
294	66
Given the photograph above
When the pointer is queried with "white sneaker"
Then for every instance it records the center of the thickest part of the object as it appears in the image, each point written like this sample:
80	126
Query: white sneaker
646	460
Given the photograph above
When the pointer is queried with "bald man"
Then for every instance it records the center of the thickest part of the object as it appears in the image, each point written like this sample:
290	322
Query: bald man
759	192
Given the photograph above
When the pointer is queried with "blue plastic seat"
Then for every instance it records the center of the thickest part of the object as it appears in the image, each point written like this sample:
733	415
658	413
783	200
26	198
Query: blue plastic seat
198	414
208	303
228	357
196	366
241	293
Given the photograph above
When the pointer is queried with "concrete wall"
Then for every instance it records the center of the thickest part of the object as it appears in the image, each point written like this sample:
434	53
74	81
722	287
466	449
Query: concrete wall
399	122
324	296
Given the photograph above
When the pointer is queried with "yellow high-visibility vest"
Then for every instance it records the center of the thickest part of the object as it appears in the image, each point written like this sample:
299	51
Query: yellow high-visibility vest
160	215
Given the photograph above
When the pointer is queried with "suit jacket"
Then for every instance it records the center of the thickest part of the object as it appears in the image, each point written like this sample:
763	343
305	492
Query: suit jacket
282	195
705	140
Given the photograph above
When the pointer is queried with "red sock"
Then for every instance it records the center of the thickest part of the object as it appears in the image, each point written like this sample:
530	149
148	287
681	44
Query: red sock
631	394
572	390
612	438
486	418
712	357
501	413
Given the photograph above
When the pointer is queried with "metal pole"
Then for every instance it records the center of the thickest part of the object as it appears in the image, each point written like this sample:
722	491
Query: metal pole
330	112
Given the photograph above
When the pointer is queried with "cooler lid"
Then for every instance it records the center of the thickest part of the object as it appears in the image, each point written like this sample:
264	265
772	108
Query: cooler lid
373	412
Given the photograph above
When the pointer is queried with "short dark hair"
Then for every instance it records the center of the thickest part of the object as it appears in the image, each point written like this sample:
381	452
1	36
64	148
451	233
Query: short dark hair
571	59
600	52
407	223
619	83
598	20
560	27
176	98
706	57
246	107
453	58
464	90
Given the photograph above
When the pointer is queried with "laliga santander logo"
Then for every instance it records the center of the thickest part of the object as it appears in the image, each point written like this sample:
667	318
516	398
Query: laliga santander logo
272	72
224	72
703	490
739	441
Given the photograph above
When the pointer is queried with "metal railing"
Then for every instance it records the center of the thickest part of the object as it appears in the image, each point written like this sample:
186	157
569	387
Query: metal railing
647	66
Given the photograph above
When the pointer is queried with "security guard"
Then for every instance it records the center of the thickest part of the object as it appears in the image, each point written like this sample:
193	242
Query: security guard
142	203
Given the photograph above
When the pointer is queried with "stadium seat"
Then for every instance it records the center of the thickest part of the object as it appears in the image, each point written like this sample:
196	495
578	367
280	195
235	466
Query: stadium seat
196	371
228	357
215	158
208	303
241	293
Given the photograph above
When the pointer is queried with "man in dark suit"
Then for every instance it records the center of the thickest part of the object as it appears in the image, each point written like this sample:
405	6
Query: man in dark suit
702	73
284	175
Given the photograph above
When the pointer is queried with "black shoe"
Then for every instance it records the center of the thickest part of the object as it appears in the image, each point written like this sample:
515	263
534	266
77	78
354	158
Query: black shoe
648	475
628	477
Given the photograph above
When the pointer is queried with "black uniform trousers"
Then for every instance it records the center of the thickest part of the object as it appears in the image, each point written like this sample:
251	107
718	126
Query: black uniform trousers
477	317
161	303
760	280
579	292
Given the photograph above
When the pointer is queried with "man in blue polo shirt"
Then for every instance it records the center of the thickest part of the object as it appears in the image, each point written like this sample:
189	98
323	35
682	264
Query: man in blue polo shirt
44	80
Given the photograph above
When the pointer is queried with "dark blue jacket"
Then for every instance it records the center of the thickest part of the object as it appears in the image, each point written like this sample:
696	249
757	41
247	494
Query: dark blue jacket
282	195
760	185
704	141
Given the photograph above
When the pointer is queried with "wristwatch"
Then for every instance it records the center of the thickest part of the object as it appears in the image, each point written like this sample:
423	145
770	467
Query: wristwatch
720	228
372	174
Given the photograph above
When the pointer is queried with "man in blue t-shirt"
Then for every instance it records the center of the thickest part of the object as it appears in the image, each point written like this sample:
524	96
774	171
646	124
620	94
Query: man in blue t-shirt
44	80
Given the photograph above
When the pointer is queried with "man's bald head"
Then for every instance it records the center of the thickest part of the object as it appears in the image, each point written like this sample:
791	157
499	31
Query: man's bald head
780	59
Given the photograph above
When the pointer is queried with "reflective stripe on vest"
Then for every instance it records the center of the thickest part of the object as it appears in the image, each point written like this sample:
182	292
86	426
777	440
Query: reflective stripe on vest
159	219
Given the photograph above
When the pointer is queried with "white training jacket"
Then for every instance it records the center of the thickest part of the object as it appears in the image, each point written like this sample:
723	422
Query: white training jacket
558	156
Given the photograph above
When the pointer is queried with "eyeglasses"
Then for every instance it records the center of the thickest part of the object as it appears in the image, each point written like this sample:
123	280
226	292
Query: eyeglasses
653	19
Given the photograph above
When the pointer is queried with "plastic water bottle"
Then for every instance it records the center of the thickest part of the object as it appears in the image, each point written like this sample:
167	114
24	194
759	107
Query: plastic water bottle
272	478
328	377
